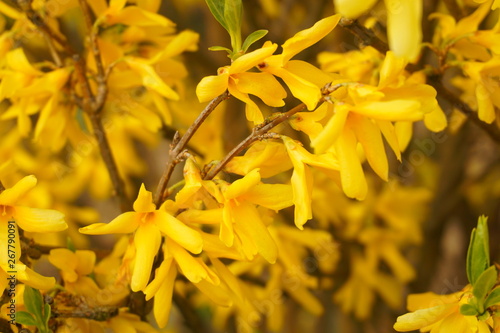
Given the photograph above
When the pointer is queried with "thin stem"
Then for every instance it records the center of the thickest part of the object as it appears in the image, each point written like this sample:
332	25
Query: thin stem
367	36
254	136
178	145
109	161
260	130
102	89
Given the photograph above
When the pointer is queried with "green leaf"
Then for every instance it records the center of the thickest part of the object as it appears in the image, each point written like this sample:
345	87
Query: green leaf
219	48
25	318
233	13
493	298
478	255
252	38
46	314
484	283
468	310
33	301
217	9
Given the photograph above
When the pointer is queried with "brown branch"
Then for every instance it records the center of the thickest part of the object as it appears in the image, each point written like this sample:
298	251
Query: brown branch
442	91
257	132
178	145
109	161
260	130
102	89
365	35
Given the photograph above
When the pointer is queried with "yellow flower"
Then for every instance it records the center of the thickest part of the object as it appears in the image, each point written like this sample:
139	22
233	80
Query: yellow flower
302	180
363	114
241	216
440	314
148	223
303	79
240	83
487	91
74	267
29	219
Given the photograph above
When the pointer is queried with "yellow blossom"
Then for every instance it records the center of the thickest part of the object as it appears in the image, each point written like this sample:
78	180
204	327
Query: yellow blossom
240	214
440	314
12	216
240	83
148	223
303	79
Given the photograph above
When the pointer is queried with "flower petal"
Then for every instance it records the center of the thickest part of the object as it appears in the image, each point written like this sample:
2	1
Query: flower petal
39	220
394	110
351	173
188	238
302	89
147	241
124	223
252	111
272	196
10	196
144	202
193	268
252	59
332	129
163	298
211	87
404	27
305	38
262	85
243	185
421	318
249	222
368	134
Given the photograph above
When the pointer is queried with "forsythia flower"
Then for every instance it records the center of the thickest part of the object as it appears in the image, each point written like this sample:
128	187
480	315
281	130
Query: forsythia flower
363	114
240	83
28	219
298	75
148	223
440	314
240	214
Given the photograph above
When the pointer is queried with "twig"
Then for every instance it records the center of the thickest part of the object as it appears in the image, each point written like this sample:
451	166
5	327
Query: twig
257	132
102	89
109	160
442	91
178	145
263	128
365	35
